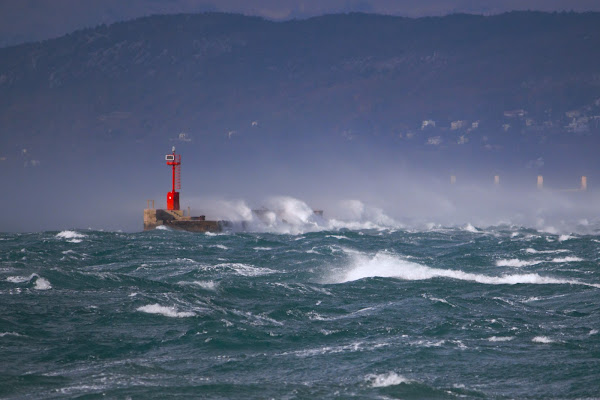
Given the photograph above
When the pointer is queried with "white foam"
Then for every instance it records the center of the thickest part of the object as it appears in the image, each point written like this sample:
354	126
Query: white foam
429	343
515	262
500	338
562	238
162	228
42	284
530	299
166	311
220	246
534	251
566	259
263	248
542	339
70	235
593	332
75	237
20	279
385	380
386	265
470	228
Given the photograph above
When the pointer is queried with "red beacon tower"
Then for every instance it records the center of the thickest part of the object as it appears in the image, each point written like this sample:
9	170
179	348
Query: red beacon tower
174	160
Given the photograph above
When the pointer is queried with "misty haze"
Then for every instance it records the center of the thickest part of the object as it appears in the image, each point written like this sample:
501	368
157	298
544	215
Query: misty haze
356	199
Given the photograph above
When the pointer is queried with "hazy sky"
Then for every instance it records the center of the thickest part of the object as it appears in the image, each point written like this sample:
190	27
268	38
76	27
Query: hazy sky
27	20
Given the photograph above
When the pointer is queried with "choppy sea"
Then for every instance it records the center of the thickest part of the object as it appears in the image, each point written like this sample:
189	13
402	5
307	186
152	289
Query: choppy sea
500	312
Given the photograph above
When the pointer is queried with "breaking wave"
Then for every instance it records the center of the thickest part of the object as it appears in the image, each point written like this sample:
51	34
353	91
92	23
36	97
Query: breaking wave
165	311
471	228
386	265
39	284
501	338
385	380
42	284
515	262
542	339
71	236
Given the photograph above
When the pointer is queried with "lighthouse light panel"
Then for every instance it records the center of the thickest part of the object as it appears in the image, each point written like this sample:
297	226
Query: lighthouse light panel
170	157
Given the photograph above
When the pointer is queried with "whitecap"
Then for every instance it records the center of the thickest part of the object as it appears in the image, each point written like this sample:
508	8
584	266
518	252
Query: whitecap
530	299
20	279
566	259
500	338
534	251
385	380
72	236
162	228
562	238
471	228
263	248
542	339
219	246
42	284
386	265
515	262
166	311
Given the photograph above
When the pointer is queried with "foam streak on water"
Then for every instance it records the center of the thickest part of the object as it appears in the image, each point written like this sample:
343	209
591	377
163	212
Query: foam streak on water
301	308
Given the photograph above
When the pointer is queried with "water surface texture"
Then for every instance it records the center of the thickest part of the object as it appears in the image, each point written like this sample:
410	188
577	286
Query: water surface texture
465	312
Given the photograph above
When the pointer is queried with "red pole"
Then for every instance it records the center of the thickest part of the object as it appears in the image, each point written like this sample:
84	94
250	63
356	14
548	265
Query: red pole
173	196
174	161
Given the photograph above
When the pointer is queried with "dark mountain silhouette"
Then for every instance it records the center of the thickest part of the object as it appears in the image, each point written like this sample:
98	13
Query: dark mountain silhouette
524	83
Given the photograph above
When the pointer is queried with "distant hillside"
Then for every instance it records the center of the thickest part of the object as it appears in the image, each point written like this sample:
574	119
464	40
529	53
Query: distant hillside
514	82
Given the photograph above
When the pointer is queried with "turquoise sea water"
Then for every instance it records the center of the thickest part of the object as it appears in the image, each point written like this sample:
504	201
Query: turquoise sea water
500	312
